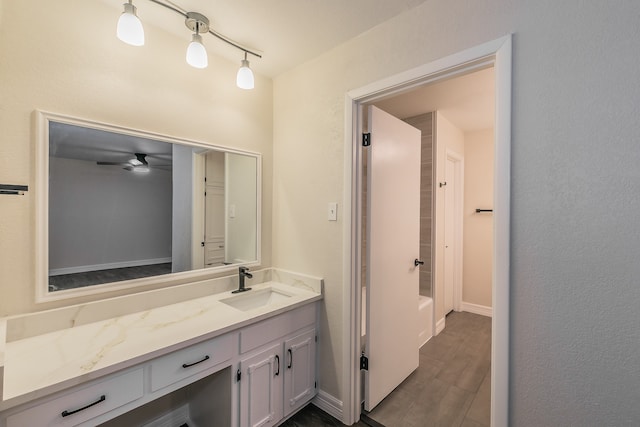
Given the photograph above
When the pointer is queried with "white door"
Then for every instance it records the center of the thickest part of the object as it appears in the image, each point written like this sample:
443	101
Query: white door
449	234
393	236
214	210
299	371
261	388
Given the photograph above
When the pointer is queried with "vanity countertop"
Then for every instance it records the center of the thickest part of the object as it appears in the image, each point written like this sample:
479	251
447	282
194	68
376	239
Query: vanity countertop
39	365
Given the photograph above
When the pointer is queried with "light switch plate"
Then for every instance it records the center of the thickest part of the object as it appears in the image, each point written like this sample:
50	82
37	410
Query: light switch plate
333	211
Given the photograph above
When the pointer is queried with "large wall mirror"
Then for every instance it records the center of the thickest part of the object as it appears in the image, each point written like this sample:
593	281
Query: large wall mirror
119	207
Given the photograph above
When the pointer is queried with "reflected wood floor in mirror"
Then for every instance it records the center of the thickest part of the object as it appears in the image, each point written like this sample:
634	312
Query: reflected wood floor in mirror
79	280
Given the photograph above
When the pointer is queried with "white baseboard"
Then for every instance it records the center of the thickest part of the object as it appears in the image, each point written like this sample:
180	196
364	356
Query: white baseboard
424	337
328	404
482	310
440	325
107	266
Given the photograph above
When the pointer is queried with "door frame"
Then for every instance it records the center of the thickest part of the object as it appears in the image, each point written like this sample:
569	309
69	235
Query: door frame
496	53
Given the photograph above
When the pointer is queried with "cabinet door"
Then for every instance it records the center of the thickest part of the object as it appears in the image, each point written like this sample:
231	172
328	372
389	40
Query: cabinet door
300	371
261	388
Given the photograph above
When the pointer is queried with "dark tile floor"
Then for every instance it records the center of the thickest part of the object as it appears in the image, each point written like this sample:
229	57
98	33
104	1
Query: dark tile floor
451	388
310	416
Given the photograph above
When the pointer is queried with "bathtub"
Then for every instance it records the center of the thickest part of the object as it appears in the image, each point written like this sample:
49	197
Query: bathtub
425	319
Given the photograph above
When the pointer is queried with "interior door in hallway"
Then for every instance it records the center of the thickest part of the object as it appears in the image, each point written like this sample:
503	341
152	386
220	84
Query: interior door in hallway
393	233
449	234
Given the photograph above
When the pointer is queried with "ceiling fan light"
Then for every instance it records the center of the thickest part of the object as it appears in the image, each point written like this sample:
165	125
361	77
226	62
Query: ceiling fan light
129	28
196	53
244	78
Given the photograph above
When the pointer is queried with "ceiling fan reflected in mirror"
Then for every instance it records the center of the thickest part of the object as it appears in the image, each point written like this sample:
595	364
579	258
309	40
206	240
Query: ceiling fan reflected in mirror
138	164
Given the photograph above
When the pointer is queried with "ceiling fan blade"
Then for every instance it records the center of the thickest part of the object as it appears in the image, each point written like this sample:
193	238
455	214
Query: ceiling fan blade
141	158
110	163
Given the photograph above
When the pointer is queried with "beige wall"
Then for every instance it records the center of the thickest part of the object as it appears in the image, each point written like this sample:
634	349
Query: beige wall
478	227
64	57
574	240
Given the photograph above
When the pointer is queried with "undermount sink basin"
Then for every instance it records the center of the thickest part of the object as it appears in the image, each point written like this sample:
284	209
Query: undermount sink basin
255	299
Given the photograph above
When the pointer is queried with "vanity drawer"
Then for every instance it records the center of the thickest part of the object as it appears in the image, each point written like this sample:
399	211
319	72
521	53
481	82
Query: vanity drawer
183	363
84	404
277	327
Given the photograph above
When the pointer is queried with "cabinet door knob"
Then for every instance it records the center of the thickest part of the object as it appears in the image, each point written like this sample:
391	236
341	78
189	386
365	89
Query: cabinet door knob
290	358
278	365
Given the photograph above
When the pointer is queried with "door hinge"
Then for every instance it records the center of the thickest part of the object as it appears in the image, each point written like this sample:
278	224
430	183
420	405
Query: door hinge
316	338
238	375
315	384
364	362
366	139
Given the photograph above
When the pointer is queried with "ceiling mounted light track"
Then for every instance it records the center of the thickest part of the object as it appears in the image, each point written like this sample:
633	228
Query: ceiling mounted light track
130	31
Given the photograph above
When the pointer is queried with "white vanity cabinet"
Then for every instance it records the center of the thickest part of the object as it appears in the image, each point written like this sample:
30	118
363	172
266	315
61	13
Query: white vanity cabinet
82	404
252	375
261	388
299	371
277	367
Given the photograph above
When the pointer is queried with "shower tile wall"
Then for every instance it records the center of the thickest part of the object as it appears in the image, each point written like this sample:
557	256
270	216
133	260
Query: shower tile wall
424	122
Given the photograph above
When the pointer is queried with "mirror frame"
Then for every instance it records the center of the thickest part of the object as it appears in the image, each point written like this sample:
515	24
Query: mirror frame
42	293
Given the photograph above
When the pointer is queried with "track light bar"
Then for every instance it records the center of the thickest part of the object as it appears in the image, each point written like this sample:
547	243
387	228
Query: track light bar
131	32
210	31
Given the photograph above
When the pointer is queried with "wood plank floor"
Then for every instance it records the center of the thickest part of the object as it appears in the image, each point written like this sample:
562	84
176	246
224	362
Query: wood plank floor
79	280
451	388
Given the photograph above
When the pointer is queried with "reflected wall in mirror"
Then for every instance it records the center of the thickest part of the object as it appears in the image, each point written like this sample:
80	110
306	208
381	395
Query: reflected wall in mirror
125	205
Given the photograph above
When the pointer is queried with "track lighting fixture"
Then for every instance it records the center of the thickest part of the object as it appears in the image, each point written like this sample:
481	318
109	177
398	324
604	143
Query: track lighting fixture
129	26
196	53
244	79
131	32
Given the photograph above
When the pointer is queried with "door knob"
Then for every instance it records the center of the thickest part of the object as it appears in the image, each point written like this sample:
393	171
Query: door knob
417	262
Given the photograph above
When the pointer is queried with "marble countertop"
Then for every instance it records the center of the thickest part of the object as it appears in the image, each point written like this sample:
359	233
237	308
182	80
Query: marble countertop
38	365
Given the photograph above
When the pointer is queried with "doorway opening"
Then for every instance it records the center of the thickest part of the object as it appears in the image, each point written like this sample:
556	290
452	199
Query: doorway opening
496	54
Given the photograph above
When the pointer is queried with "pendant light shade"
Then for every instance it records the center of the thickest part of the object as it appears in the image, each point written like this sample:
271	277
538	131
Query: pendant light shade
129	28
196	53
244	79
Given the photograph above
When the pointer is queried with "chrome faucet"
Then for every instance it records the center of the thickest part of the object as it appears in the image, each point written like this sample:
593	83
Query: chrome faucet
242	273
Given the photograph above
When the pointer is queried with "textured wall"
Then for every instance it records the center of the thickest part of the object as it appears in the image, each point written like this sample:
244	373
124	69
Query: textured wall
575	240
73	64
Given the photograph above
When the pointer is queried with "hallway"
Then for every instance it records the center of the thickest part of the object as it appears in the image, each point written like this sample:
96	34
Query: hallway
452	386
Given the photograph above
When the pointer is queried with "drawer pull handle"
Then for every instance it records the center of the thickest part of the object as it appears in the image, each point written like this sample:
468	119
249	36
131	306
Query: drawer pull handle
188	365
290	358
278	361
67	413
